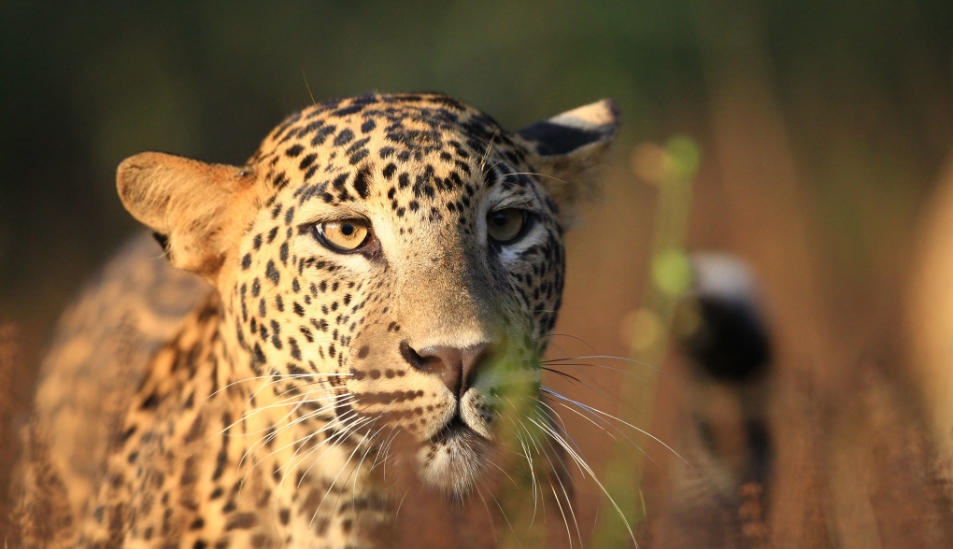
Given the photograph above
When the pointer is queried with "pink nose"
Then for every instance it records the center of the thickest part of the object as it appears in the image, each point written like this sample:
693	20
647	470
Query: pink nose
456	367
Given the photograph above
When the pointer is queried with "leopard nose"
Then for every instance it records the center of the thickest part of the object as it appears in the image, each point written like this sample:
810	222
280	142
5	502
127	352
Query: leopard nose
456	366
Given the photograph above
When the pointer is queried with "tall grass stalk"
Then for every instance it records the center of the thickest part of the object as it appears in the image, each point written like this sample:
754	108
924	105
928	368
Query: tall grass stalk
672	170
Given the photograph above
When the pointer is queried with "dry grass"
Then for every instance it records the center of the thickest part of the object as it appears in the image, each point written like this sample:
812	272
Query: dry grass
853	465
8	440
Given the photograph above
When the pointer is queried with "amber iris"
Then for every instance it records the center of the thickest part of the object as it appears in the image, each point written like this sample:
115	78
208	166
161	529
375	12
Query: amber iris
343	236
504	226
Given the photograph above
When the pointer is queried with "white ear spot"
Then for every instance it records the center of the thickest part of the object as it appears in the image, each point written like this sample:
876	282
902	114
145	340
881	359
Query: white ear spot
601	114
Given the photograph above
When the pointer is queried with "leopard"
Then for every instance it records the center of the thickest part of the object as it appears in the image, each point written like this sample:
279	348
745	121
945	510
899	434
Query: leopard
382	266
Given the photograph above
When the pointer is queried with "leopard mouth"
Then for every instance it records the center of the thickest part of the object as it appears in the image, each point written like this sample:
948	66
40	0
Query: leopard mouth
454	458
456	430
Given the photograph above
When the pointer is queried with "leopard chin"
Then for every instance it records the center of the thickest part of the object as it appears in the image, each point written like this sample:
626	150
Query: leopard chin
454	459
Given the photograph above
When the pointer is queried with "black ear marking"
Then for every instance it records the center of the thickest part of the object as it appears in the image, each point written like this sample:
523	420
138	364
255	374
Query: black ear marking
552	139
573	130
568	149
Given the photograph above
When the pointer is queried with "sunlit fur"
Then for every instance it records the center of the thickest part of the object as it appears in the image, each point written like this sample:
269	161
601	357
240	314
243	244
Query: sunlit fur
282	393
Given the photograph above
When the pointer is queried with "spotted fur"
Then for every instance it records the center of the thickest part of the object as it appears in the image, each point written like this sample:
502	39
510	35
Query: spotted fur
258	423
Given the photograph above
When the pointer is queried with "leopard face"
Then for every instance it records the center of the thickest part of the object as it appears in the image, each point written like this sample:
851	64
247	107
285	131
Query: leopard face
392	261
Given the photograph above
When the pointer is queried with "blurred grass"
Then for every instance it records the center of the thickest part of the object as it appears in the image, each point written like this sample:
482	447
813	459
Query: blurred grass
671	171
823	123
11	373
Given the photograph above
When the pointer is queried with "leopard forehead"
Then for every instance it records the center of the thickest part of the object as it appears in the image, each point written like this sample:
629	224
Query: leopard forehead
424	169
429	145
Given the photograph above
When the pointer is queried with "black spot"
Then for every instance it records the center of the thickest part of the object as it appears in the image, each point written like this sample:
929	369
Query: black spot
294	151
150	402
295	350
358	156
339	181
246	262
360	183
307	161
272	273
310	172
348	110
322	134
124	436
343	137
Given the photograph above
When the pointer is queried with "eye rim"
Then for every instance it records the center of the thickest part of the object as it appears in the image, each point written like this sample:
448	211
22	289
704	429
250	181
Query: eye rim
317	231
528	221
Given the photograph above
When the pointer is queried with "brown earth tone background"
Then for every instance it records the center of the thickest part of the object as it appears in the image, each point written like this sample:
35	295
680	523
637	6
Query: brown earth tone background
824	129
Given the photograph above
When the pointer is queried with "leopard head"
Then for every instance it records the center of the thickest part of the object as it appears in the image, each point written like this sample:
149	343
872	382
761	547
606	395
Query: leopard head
383	256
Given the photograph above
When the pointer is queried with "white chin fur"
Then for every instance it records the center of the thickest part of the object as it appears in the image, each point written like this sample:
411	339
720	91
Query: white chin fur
453	464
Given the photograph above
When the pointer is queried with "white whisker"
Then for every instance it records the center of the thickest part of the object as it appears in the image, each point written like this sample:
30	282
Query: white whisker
338	476
282	376
620	420
579	460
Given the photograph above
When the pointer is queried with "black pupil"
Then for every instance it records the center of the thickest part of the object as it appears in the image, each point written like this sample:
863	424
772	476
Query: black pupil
499	218
347	229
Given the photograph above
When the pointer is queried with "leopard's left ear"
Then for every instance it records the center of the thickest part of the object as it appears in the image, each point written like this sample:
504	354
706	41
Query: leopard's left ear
197	209
569	148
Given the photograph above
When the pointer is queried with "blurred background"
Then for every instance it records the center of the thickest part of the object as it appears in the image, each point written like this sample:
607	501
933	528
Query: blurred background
806	137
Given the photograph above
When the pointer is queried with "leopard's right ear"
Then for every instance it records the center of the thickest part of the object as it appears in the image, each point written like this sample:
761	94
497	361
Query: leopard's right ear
568	149
198	208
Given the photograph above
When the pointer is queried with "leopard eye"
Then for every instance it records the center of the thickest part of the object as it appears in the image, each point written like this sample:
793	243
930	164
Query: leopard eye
507	225
342	236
